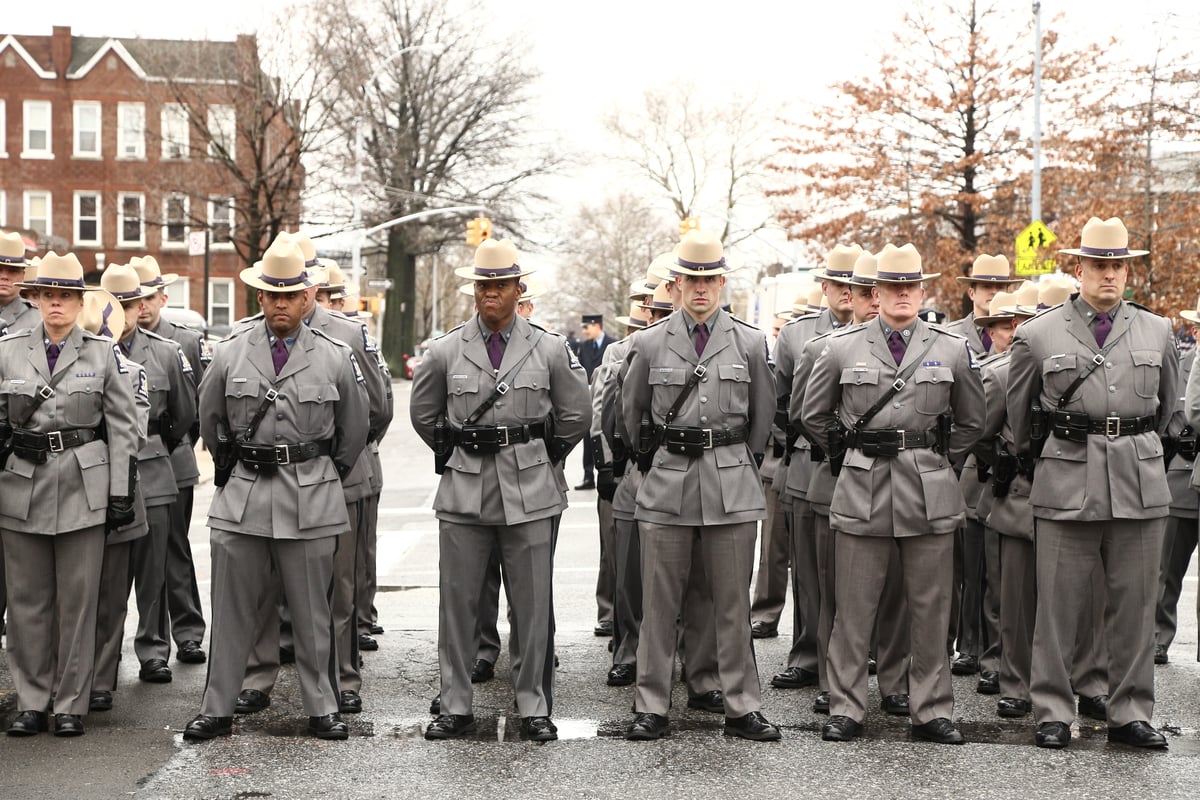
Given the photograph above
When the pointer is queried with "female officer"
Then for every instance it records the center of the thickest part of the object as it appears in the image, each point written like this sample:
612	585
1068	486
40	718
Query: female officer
68	419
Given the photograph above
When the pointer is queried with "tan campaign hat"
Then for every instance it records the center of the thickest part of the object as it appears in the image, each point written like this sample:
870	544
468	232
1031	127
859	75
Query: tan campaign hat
59	272
839	266
901	265
989	269
282	268
1107	239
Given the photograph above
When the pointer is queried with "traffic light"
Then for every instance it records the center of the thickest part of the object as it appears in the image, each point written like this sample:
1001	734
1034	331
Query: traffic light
688	224
478	229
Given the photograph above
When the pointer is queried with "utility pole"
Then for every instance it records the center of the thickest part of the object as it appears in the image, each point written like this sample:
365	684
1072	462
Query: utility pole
1035	202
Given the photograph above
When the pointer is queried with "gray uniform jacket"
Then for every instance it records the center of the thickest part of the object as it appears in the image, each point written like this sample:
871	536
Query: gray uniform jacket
19	315
723	486
916	492
139	527
519	483
1179	472
172	397
624	500
967	327
91	384
183	457
793	480
1011	515
604	391
1118	478
320	397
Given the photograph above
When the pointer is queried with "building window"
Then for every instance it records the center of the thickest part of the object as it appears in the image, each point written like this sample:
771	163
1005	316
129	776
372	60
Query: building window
37	212
220	302
37	129
177	294
131	130
174	132
130	228
3	208
175	213
87	218
87	129
222	132
220	221
3	136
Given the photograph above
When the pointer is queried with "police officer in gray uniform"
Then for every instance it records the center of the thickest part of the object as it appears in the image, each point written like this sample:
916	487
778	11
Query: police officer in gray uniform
501	402
288	403
1103	374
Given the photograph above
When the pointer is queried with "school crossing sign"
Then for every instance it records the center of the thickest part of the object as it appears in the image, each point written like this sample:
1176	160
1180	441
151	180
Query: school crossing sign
1031	246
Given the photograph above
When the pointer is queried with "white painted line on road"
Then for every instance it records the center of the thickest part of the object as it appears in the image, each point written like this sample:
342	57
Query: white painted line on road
404	511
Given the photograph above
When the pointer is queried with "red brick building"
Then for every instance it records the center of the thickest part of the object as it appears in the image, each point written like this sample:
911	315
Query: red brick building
113	148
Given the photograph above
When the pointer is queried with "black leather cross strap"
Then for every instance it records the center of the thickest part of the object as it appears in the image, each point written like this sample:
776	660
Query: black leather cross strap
704	438
901	381
282	454
484	439
52	442
502	385
887	442
1076	427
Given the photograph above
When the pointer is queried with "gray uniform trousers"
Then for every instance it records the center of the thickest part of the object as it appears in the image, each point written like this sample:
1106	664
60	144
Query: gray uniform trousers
112	606
774	555
800	520
148	557
183	591
367	578
1179	542
627	602
606	581
241	570
38	607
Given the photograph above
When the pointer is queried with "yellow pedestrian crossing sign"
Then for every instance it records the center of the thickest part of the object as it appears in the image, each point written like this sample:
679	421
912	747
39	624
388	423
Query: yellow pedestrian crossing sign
1031	243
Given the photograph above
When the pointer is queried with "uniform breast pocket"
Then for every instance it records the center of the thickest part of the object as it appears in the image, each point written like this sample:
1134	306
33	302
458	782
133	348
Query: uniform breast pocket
84	397
858	389
1147	364
462	392
932	386
734	394
19	396
158	388
531	394
242	396
314	411
1058	372
666	383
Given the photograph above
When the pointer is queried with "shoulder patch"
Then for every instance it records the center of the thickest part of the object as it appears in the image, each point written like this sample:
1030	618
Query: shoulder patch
572	359
368	342
116	348
971	359
184	364
141	390
358	375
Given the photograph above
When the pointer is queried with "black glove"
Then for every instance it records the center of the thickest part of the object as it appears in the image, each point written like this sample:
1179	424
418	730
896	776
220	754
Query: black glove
758	459
606	483
120	512
1170	446
343	471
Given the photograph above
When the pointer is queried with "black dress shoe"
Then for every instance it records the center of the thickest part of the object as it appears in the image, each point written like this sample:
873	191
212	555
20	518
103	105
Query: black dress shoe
586	486
204	727
450	726
287	655
647	727
896	704
1053	735
155	670
435	705
1094	707
989	683
482	671
964	665
100	701
794	678
1013	707
603	628
349	702
28	723
938	731
367	642
763	630
712	702
622	675
538	729
376	629
68	725
1160	654
251	701
190	653
329	726
1138	734
841	729
821	703
752	726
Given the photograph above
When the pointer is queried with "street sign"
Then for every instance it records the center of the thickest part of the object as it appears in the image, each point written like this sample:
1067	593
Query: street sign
380	283
196	243
1030	244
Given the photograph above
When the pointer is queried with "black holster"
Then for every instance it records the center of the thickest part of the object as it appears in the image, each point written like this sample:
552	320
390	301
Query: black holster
942	445
1039	429
1186	444
620	456
443	444
648	441
224	460
837	447
1005	470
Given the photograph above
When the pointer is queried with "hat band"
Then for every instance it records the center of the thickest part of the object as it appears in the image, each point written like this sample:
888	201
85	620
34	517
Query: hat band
130	295
17	260
898	276
515	269
281	283
1101	251
837	273
312	262
59	283
703	266
158	281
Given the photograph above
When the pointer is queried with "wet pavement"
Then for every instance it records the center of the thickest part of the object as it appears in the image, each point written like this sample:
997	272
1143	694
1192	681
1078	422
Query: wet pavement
136	750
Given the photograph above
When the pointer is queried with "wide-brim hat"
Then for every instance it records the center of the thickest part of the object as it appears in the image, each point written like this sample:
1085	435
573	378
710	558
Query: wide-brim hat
495	260
1106	239
662	268
1052	290
150	274
101	311
643	287
122	282
281	269
12	250
1192	316
1024	300
634	318
865	268
701	253
989	269
306	247
59	272
901	265
1002	307
661	299
331	277
839	266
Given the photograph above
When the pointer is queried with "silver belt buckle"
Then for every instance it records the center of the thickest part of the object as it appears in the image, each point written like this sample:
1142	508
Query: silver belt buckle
282	454
499	443
1112	427
903	445
709	433
54	441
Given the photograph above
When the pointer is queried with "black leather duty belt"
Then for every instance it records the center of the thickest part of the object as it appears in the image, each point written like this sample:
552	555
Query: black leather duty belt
35	445
692	442
278	455
1075	427
889	443
485	439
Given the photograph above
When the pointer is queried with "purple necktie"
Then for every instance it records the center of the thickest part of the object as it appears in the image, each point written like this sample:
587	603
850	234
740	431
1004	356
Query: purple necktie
52	351
701	338
896	345
986	338
495	348
1103	328
279	354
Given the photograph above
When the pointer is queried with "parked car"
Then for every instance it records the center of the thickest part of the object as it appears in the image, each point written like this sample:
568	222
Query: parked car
413	361
186	317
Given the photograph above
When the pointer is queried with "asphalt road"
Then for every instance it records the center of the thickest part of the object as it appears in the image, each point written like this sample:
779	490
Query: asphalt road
136	750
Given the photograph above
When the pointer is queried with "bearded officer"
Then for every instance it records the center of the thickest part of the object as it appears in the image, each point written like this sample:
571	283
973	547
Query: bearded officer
1103	373
501	402
293	401
911	402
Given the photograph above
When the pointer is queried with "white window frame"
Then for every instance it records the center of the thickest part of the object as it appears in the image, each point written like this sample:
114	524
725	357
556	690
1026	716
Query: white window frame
29	195
222	129
84	107
121	240
29	107
178	294
230	305
212	202
3	138
174	112
98	217
128	133
3	208
167	244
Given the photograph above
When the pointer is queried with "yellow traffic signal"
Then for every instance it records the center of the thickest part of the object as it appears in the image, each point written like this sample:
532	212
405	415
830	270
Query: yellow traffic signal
478	229
485	227
688	224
